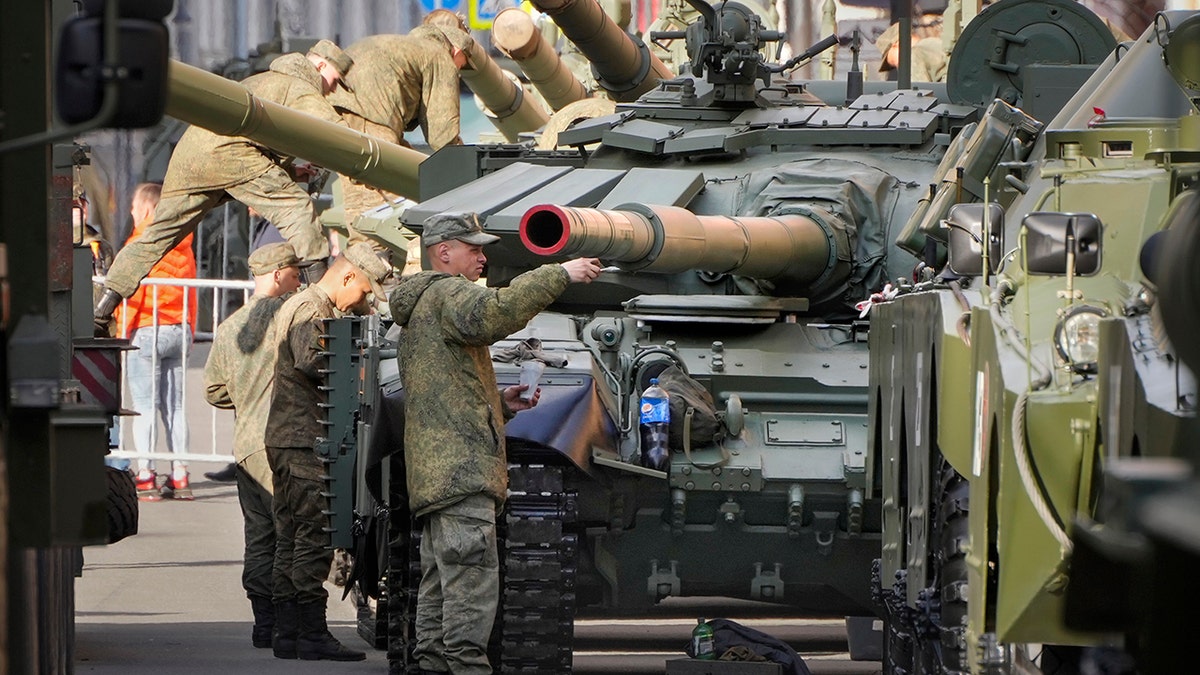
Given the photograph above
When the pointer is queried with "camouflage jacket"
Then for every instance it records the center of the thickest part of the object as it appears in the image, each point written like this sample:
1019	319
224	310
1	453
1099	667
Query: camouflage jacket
402	80
241	369
454	417
205	161
294	420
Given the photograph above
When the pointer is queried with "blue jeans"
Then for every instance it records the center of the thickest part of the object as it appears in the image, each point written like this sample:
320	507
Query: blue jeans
163	379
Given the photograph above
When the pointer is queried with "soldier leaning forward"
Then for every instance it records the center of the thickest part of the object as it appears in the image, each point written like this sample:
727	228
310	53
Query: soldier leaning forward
302	556
398	82
206	167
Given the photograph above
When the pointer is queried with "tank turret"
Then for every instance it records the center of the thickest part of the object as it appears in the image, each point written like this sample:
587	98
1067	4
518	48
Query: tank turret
504	101
514	33
622	63
228	108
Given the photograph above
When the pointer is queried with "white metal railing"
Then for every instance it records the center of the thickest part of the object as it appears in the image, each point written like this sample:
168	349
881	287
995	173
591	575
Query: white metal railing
219	288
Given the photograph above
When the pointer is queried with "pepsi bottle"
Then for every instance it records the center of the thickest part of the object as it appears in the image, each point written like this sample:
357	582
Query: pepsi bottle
654	420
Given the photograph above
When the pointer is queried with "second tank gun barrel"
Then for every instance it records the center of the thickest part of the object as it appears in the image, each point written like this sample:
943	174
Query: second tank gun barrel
623	64
226	107
515	34
669	239
509	109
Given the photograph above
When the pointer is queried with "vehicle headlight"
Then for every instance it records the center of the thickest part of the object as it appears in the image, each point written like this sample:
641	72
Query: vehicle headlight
1077	337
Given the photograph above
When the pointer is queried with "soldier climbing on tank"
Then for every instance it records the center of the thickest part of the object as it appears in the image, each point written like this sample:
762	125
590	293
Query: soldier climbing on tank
207	168
399	82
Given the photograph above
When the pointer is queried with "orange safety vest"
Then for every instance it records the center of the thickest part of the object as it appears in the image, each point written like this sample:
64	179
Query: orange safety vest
178	263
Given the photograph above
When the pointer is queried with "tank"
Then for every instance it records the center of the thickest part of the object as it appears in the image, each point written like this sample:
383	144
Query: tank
743	219
1025	398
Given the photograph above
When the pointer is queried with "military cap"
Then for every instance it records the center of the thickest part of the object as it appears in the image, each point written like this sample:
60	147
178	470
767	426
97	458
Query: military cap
458	39
464	227
335	57
362	256
276	256
445	17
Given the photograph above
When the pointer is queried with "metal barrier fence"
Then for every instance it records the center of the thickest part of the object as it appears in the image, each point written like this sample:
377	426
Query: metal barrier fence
125	449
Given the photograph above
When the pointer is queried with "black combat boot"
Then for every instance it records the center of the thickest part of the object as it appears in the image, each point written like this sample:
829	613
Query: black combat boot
315	642
102	314
315	270
287	629
264	621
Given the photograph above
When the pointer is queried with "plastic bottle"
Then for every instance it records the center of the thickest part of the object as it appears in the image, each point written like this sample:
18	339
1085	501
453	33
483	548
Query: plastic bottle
654	422
702	642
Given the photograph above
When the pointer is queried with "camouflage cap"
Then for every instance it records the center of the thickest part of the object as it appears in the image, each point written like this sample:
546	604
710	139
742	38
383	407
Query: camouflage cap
267	259
460	40
376	269
461	226
334	56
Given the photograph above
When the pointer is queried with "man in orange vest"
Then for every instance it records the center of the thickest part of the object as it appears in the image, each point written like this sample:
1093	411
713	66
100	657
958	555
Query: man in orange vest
159	321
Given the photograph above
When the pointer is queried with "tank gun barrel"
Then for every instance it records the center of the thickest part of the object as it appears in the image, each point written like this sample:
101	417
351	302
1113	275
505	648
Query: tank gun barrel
670	239
623	64
226	107
514	33
508	107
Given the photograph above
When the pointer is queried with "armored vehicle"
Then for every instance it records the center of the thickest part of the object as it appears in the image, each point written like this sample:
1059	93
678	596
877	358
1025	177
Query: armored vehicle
743	219
1009	391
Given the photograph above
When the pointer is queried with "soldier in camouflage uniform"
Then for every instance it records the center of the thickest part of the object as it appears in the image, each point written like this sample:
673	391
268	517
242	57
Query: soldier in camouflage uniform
398	82
928	54
238	376
206	167
454	429
302	556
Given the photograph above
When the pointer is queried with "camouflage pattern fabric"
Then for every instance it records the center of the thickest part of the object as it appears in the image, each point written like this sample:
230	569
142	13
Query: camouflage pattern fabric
295	411
258	525
239	374
302	556
454	431
400	81
928	54
205	166
356	197
460	588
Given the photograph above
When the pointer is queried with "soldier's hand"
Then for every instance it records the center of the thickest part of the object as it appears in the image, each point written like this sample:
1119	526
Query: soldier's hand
582	270
514	402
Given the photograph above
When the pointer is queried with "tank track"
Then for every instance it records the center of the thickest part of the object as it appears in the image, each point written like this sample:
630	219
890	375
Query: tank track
535	621
539	550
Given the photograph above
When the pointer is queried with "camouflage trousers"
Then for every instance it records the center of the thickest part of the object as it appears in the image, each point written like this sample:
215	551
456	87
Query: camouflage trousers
302	556
259	524
356	197
460	587
272	193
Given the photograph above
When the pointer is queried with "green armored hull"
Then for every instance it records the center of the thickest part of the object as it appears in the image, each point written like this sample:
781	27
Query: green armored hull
1008	392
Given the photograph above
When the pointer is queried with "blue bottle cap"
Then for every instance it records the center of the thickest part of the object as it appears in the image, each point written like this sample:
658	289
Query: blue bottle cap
654	380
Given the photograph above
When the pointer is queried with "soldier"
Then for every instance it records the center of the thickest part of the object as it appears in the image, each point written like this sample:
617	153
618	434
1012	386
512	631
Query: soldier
454	432
238	376
206	167
302	558
928	55
398	82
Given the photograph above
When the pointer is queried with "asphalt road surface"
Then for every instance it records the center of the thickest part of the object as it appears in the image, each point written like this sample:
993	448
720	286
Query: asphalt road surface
170	600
